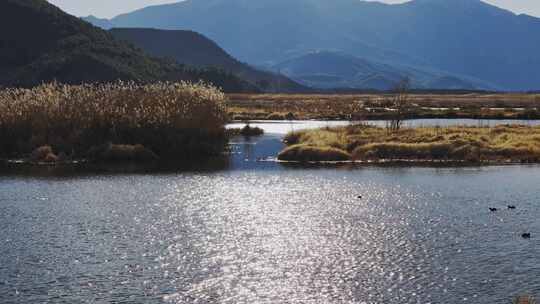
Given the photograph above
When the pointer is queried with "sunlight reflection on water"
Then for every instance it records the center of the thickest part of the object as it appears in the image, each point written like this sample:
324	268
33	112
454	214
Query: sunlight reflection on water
282	235
301	236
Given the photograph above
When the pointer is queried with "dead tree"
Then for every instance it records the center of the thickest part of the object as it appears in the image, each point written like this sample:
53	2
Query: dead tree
400	105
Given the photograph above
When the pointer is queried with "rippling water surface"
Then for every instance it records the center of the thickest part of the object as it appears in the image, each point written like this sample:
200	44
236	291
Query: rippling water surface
258	232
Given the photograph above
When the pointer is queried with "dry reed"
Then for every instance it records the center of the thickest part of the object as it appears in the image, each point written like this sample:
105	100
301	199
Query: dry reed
502	143
175	120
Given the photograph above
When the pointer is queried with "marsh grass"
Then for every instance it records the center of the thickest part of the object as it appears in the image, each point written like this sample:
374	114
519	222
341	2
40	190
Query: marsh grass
373	106
309	153
503	143
174	120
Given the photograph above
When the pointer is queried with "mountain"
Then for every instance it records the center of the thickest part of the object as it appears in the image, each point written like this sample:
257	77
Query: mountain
328	70
463	37
193	49
102	23
41	43
452	83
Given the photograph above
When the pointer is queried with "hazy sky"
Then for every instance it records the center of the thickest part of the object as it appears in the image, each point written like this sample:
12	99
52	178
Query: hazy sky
111	8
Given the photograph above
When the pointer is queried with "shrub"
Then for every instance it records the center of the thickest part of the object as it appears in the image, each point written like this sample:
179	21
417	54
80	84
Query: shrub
290	116
304	153
251	131
246	131
43	154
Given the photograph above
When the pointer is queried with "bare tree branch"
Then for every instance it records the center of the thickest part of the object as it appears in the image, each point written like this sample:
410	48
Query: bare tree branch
400	105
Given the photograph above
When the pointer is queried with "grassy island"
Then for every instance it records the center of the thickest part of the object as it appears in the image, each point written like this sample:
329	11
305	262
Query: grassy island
112	122
505	143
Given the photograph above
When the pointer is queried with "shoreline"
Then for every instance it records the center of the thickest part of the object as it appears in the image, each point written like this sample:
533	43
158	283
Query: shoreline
381	162
413	163
350	160
382	116
331	119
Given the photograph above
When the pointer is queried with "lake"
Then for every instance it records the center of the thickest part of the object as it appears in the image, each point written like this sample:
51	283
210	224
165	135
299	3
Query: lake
249	230
283	127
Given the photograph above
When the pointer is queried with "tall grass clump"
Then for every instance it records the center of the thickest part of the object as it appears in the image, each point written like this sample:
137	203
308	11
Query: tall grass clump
307	153
504	143
173	120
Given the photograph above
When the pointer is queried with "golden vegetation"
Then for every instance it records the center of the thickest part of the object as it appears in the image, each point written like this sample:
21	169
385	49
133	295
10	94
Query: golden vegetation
309	153
174	120
472	144
355	106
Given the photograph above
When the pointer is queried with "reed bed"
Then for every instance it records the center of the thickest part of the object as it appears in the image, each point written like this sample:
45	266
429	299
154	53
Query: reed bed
504	143
174	120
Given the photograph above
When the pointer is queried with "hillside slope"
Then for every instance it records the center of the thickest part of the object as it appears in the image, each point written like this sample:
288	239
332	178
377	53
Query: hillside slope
338	70
40	43
193	49
464	37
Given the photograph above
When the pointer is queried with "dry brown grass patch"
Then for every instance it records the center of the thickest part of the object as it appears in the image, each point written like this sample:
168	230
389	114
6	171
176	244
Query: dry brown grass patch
172	119
502	143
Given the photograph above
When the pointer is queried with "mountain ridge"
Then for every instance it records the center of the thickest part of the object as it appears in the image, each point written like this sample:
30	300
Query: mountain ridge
464	37
326	70
193	49
41	43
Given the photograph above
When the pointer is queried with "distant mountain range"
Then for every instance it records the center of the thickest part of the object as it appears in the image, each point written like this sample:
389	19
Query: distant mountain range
329	70
102	23
464	38
197	51
41	43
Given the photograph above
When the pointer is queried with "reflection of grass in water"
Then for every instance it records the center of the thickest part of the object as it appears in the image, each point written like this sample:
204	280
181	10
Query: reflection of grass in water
174	120
501	143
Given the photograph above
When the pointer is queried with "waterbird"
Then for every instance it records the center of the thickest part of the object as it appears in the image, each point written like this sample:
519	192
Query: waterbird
511	207
359	197
526	235
493	209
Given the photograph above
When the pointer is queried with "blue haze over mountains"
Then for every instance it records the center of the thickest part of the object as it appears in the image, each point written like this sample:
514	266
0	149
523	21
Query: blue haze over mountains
465	41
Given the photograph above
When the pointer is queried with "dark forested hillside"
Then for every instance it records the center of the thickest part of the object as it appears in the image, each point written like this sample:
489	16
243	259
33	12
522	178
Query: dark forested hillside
193	49
41	43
